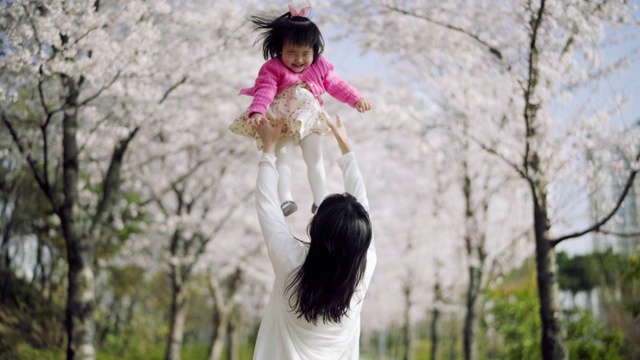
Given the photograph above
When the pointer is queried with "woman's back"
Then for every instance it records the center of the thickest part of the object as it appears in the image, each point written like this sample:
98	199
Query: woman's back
285	333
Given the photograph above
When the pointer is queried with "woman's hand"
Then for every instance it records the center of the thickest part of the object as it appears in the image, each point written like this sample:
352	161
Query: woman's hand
340	133
362	105
269	134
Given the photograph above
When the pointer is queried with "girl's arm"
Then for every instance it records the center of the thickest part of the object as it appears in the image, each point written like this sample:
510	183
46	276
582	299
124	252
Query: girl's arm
336	86
265	88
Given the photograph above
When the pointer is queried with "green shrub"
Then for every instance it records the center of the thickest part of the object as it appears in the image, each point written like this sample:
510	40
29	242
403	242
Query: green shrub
589	339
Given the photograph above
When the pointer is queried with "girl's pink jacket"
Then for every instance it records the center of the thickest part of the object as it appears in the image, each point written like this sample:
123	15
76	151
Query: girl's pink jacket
274	77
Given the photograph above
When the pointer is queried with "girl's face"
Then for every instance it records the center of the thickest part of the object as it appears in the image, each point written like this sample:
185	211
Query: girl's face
297	58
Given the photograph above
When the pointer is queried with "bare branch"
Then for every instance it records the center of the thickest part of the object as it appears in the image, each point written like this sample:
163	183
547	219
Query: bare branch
48	191
111	181
191	171
493	50
99	92
41	95
494	152
219	226
91	131
606	218
171	88
43	178
530	109
619	234
215	289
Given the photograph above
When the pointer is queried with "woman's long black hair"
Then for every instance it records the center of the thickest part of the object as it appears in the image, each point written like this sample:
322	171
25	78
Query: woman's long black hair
340	234
295	30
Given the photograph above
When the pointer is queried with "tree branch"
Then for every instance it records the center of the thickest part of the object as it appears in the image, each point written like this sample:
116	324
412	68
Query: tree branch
41	95
111	181
606	218
493	50
30	161
495	153
530	109
219	226
92	97
171	88
619	234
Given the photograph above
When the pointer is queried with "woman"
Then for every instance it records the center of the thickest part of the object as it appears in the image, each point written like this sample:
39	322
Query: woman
317	296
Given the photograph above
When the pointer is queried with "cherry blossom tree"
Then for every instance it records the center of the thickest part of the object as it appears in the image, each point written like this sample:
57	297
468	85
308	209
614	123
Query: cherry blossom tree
191	169
77	80
227	285
510	68
98	99
456	195
408	181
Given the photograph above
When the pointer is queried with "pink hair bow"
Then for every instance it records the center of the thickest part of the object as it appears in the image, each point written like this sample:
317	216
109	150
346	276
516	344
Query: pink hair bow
303	12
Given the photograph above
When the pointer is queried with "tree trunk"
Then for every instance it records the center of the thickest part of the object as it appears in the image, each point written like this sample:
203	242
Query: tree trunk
223	310
435	317
5	259
38	268
406	328
470	323
81	299
130	312
80	251
233	335
553	336
220	333
177	316
475	258
453	352
383	345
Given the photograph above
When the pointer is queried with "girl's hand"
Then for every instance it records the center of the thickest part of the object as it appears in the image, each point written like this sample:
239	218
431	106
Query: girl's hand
269	134
362	105
256	119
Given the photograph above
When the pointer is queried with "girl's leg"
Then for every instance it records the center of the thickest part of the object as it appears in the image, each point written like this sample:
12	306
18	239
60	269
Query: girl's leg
284	160
311	147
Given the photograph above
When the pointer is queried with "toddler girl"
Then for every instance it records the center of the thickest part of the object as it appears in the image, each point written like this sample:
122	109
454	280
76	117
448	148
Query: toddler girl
289	86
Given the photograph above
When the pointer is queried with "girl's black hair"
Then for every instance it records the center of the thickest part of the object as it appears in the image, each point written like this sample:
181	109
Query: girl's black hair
340	234
296	30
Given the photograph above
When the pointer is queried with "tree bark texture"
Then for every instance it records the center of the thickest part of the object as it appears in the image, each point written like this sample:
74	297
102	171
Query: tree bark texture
553	341
233	335
223	310
218	340
406	328
475	259
435	317
553	332
177	316
470	323
80	251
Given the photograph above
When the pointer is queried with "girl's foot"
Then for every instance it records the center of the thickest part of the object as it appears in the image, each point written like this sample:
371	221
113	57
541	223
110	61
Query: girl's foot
288	207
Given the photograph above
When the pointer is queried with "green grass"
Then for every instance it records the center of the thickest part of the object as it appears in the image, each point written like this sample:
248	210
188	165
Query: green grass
22	350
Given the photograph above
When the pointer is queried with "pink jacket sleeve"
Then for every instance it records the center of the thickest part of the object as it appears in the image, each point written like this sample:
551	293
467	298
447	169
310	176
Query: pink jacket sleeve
338	88
265	88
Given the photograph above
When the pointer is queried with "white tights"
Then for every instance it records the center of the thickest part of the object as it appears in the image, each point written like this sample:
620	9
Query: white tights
311	147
